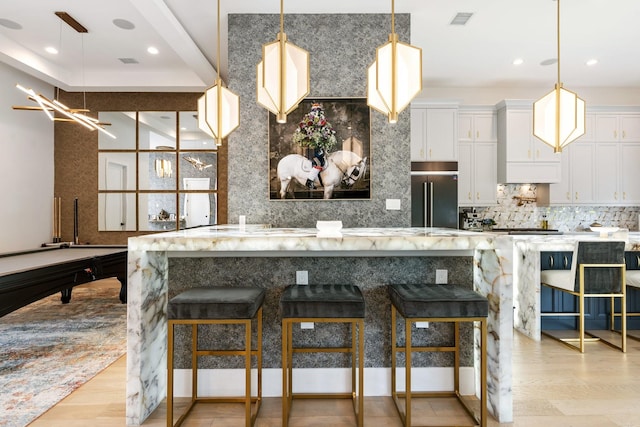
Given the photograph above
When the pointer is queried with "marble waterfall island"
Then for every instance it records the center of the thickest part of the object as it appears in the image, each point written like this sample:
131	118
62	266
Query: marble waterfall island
161	264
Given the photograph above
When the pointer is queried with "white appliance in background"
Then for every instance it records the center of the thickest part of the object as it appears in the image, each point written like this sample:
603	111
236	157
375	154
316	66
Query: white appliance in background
197	207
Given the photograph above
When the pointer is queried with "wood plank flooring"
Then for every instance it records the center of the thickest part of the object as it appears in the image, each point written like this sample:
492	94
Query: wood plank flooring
553	386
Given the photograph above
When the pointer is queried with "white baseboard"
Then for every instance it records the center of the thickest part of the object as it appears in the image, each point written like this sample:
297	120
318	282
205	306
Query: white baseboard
377	381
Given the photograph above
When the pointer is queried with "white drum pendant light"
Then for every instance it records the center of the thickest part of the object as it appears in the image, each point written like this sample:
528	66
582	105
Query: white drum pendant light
282	75
218	108
395	77
559	116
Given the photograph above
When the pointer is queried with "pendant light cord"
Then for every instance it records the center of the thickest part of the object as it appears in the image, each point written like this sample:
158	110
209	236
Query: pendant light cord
393	17
218	42
558	36
282	16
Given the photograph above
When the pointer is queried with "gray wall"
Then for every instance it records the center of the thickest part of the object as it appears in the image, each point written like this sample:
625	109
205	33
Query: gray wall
341	48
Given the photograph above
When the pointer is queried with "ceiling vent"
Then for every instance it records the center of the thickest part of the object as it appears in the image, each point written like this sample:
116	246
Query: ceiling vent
461	18
128	60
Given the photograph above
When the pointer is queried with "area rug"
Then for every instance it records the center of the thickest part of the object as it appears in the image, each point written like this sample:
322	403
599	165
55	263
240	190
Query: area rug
49	349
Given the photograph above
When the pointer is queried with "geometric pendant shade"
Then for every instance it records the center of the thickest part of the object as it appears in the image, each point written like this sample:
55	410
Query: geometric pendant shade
395	77
559	116
282	77
218	108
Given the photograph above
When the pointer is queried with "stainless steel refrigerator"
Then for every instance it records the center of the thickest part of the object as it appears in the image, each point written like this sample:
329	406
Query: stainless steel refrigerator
434	194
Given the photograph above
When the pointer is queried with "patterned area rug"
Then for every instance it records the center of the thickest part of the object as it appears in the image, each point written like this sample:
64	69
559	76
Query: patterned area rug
47	349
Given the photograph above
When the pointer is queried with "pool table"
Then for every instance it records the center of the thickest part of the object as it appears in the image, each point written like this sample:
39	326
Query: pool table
28	276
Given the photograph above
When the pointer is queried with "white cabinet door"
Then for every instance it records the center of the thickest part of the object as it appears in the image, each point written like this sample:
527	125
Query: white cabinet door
518	136
418	134
434	134
630	173
606	127
465	127
581	161
560	193
465	174
442	129
485	173
606	171
484	127
630	128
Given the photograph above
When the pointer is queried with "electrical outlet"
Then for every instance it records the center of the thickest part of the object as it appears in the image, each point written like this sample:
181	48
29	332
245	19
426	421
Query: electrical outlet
422	325
441	277
302	277
393	204
306	325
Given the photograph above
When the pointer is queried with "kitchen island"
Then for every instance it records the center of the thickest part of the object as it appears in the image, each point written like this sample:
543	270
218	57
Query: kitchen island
160	264
527	266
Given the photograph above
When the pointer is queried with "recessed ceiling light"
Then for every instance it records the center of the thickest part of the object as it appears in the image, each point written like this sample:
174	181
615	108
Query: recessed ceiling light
592	62
52	50
153	50
518	61
12	25
124	24
549	61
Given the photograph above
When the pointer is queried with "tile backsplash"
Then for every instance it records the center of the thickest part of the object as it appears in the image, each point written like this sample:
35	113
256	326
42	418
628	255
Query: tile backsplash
517	208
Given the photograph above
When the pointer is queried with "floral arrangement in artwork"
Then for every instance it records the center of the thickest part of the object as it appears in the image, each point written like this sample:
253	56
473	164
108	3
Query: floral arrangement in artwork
314	130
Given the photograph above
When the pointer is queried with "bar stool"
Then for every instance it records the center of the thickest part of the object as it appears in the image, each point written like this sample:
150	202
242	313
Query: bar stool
220	306
323	304
437	303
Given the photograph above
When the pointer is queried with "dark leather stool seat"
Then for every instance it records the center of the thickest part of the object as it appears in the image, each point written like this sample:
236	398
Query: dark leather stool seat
329	304
222	306
437	303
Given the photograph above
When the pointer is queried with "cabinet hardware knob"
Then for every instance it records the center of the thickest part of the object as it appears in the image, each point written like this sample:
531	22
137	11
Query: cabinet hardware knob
576	195
469	133
478	195
478	134
624	195
430	153
566	261
624	134
551	261
615	133
568	196
615	195
469	196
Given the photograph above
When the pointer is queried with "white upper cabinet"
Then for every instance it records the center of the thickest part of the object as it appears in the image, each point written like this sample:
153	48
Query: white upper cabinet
618	127
523	158
433	133
477	159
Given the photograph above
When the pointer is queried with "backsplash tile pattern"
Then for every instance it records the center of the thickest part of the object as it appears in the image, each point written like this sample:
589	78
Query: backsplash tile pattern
517	208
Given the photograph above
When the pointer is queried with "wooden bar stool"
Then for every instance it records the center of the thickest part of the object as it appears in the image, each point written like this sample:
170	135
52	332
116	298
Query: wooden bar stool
323	303
437	303
217	306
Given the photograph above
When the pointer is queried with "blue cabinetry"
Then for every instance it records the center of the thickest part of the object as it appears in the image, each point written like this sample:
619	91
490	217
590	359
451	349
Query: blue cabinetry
596	309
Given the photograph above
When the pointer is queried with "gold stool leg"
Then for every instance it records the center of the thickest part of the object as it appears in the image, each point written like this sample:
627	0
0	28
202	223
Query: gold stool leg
407	373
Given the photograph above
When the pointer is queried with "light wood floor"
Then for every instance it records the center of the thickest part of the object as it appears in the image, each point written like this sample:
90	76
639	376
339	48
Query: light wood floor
553	386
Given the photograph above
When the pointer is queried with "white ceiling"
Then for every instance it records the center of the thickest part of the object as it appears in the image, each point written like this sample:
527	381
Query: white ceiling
479	54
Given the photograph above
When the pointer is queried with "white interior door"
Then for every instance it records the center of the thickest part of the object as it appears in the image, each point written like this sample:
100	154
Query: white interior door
115	206
196	205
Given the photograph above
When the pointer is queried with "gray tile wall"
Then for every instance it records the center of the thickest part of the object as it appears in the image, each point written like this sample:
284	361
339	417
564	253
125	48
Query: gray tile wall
371	274
341	48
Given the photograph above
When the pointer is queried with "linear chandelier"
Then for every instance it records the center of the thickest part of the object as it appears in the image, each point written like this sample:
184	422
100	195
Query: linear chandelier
218	108
282	75
559	116
50	107
395	77
70	114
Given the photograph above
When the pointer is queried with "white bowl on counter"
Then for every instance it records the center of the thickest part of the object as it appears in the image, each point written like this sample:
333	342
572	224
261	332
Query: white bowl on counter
604	231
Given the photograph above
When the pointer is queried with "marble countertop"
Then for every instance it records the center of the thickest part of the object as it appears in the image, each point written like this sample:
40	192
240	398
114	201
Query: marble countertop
235	238
566	241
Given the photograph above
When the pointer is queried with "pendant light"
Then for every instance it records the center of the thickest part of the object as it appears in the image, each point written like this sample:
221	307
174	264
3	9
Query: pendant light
51	107
559	116
282	75
218	108
395	77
